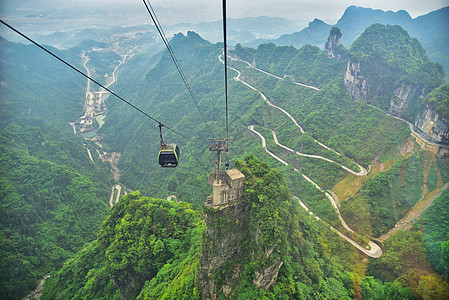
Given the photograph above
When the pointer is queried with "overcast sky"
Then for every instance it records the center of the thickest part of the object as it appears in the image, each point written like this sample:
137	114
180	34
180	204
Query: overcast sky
196	11
326	10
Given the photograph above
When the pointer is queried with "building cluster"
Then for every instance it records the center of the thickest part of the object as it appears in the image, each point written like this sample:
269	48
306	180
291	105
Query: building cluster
94	106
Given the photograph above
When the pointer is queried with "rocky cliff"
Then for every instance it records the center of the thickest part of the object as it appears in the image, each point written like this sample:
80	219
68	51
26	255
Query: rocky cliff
432	126
406	98
232	240
262	246
226	230
390	70
333	43
355	81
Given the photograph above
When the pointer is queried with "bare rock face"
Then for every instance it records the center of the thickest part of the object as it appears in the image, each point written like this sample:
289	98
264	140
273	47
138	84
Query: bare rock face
226	229
432	126
355	82
225	252
267	276
333	41
403	96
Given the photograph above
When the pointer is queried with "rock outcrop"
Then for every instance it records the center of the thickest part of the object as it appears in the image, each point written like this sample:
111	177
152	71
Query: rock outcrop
226	229
404	97
432	126
333	42
355	82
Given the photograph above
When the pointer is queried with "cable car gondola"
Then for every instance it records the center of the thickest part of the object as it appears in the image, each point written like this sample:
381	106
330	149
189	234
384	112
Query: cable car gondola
169	153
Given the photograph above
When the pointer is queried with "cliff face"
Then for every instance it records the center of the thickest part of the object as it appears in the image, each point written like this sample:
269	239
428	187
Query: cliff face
433	126
333	42
245	242
390	70
227	247
405	97
355	82
226	229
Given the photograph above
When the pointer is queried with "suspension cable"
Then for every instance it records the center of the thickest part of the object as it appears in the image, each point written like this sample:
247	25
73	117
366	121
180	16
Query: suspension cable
225	59
94	81
156	22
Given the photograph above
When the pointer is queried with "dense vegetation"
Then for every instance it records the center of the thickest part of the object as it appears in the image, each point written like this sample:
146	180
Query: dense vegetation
149	248
405	259
48	212
391	59
439	100
145	246
53	197
435	234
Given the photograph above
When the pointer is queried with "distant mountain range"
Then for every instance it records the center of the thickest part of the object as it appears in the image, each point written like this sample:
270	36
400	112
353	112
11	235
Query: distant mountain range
431	30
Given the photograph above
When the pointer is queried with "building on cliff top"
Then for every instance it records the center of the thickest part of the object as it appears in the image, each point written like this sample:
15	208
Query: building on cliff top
229	188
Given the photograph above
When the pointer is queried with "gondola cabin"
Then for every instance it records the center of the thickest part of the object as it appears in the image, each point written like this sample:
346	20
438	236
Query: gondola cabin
169	155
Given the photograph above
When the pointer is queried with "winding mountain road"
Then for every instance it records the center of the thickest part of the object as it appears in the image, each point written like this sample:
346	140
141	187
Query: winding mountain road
111	199
272	75
362	172
374	250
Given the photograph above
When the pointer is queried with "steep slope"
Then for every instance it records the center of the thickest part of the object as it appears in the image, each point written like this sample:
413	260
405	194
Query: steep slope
433	121
160	91
150	248
48	211
266	245
53	195
390	70
142	245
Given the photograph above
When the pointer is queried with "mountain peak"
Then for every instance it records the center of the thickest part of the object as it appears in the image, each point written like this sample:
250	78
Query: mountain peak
317	23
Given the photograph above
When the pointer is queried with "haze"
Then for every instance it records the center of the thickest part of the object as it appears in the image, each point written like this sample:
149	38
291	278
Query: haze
196	11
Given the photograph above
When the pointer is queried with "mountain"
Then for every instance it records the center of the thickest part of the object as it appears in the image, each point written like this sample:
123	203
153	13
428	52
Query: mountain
355	167
239	30
53	196
244	30
314	34
433	121
149	248
430	29
390	69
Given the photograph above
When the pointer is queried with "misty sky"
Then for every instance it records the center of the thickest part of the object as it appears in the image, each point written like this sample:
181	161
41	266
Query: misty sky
326	10
207	10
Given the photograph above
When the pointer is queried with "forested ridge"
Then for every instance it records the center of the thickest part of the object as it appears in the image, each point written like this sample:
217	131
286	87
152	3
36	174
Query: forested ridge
149	248
390	60
53	197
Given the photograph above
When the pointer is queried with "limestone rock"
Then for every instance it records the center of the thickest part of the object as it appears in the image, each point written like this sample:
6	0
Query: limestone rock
432	126
268	275
355	82
403	96
333	41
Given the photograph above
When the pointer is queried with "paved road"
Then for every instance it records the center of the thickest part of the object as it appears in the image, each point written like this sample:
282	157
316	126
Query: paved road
114	73
272	75
375	251
119	190
86	59
362	172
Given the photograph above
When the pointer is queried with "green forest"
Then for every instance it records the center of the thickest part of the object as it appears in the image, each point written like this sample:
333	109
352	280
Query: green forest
149	248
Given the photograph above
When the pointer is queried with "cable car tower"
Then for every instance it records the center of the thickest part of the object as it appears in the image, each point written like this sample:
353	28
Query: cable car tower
218	145
221	145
